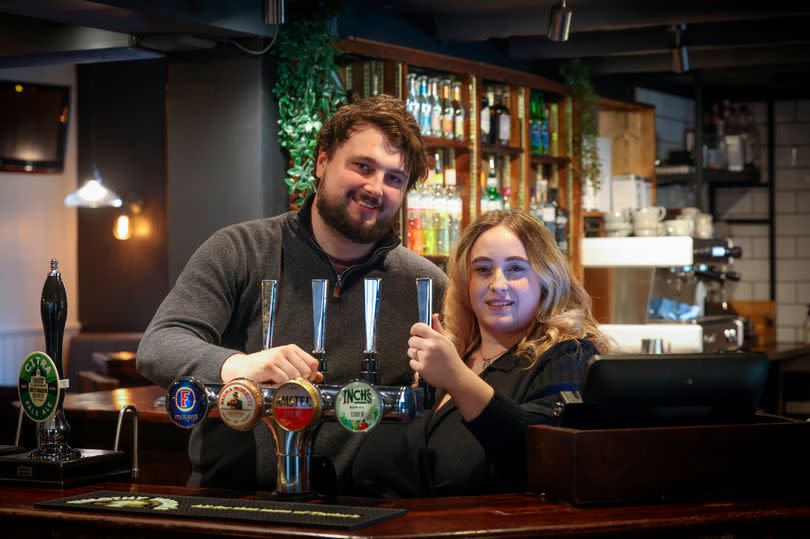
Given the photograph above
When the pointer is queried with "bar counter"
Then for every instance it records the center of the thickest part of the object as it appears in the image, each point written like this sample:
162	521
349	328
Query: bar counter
506	515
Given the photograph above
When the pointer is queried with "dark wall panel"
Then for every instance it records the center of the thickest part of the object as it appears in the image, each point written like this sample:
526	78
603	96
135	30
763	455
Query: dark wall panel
224	163
122	125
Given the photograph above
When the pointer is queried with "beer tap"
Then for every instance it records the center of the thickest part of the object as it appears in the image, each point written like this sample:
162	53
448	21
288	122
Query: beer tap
319	287
368	368
53	433
41	387
294	410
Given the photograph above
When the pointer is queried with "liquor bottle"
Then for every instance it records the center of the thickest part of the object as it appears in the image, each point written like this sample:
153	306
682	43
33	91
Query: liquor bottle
424	106
535	147
545	133
440	216
533	206
454	204
448	114
435	108
375	82
500	121
415	221
506	195
491	198
554	129
458	112
412	102
485	115
548	211
505	128
560	221
428	232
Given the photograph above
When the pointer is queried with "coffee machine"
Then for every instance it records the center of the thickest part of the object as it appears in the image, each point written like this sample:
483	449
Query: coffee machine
670	288
696	294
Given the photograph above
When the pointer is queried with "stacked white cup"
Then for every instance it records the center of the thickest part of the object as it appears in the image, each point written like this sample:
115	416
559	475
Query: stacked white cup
646	220
617	223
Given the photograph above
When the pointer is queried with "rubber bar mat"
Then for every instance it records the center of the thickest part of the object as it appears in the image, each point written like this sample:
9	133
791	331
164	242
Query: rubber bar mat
287	513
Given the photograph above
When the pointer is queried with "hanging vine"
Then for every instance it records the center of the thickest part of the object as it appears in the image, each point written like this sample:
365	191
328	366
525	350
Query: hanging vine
307	89
586	109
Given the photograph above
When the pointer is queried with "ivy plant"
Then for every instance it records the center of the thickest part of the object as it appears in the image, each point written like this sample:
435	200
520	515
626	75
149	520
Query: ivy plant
586	110
307	89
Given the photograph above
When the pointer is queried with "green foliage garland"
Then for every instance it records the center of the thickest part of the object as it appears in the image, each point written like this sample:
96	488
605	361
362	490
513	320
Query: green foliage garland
586	106
307	89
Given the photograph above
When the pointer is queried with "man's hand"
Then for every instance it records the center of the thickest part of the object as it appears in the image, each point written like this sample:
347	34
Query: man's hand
272	366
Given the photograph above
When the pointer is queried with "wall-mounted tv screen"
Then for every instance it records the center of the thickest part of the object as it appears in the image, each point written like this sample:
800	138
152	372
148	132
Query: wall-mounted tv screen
33	126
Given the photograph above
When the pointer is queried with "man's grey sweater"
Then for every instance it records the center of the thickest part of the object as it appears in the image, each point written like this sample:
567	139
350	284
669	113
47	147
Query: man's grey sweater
214	311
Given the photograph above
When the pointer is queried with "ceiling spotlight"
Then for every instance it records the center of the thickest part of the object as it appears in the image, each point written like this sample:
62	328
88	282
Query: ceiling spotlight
678	51
559	22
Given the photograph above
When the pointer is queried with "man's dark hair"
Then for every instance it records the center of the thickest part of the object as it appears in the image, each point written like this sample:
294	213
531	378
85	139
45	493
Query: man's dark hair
389	115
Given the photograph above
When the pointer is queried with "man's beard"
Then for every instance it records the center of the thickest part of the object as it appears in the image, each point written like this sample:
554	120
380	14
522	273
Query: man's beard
336	215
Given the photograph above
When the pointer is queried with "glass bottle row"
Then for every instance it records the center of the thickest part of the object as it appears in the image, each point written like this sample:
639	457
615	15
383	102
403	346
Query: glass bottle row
436	104
543	126
435	209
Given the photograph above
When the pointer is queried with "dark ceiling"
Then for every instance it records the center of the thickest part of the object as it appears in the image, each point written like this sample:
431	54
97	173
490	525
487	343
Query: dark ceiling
739	48
761	49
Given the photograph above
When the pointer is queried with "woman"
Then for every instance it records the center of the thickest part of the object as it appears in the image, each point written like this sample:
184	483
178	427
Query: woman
519	331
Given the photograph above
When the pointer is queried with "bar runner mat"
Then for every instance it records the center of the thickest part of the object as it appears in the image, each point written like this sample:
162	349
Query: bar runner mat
289	513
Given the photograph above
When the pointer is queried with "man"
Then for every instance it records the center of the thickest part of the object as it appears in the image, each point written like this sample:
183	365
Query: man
369	155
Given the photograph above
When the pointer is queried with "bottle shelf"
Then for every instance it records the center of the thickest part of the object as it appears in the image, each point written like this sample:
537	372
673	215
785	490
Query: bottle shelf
432	143
497	149
549	160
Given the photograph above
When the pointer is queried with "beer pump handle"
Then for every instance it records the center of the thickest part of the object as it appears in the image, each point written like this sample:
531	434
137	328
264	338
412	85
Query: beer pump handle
53	308
319	287
368	368
269	290
424	298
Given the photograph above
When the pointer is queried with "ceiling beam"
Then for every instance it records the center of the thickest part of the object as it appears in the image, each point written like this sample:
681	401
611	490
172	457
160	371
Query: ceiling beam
209	18
616	15
703	59
26	42
659	39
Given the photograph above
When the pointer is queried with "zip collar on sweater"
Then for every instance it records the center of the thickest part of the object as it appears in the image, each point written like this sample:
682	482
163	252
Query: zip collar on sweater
302	221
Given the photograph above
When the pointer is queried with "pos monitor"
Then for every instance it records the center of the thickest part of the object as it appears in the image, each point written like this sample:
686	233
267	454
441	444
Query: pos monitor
665	390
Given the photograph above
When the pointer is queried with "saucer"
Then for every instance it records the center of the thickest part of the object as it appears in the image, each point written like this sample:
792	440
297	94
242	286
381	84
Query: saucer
653	231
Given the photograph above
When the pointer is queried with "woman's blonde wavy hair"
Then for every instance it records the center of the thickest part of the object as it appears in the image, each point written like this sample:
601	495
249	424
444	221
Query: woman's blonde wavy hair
564	311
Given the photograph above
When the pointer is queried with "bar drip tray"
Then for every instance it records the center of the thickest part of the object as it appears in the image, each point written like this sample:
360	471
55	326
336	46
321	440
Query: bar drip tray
91	465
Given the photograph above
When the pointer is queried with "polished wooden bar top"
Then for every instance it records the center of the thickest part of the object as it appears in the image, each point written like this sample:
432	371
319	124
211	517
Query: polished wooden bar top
506	515
106	404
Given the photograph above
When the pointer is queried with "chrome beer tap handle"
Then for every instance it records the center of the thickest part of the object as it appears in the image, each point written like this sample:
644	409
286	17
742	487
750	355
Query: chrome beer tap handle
269	291
319	287
424	300
368	369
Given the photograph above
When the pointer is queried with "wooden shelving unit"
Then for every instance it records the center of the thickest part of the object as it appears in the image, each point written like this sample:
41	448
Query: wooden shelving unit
631	129
630	126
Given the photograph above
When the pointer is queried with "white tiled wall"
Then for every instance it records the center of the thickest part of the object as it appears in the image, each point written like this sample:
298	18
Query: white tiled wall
792	202
792	220
673	115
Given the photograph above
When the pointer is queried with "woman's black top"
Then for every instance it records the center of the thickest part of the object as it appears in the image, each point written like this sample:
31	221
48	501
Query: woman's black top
440	454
